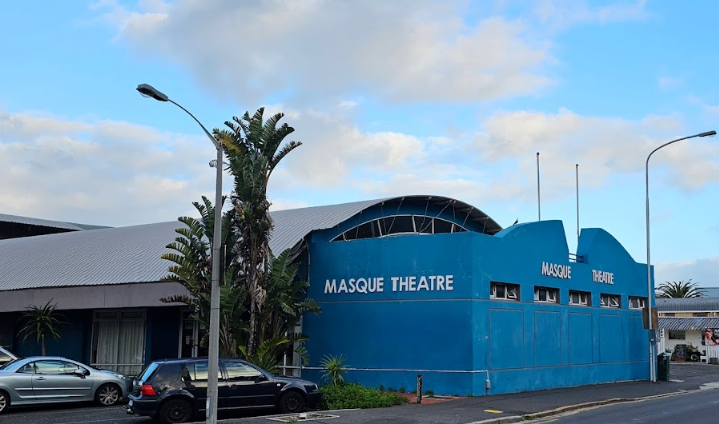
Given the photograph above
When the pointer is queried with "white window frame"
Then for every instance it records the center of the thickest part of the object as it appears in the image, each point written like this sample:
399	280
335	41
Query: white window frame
639	301
582	297
511	291
610	301
119	315
456	228
671	333
551	294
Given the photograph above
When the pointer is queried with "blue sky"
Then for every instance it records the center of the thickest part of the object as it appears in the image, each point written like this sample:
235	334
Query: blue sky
389	98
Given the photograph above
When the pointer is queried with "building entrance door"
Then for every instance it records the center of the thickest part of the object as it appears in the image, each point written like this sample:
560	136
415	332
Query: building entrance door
191	336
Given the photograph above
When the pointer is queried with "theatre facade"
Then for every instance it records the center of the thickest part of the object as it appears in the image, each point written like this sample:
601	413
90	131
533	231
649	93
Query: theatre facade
414	285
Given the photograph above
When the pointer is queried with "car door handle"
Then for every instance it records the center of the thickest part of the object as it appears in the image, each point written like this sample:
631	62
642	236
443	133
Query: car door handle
40	378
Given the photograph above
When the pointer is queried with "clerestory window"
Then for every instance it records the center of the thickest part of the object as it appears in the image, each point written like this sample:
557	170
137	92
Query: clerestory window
400	224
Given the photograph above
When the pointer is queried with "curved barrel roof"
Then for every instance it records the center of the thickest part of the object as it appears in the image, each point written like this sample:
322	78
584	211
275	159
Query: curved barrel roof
132	254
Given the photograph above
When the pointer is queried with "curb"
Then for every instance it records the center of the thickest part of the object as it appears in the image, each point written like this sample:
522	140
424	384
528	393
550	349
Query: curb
576	407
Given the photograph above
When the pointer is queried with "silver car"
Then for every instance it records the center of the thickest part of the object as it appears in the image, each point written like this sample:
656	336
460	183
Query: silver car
6	356
52	379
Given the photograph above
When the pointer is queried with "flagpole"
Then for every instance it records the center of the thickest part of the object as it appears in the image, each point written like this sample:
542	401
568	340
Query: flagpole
539	198
577	184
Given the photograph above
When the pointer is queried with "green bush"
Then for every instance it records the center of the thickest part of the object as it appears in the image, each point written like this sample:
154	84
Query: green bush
402	390
350	396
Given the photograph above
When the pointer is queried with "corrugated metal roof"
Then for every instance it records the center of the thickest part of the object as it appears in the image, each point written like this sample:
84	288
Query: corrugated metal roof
292	225
78	258
678	324
132	254
39	222
691	304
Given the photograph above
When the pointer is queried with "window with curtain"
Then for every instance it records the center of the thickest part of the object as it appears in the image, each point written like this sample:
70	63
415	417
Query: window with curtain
118	341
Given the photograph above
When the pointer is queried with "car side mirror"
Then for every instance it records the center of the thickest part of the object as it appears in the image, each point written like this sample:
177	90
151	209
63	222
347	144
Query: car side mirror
260	378
80	372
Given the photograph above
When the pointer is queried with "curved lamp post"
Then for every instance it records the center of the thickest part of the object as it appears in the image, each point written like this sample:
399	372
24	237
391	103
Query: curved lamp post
213	348
652	370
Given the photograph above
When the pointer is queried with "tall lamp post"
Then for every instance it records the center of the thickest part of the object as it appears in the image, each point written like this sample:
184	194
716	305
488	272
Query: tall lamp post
652	370
213	349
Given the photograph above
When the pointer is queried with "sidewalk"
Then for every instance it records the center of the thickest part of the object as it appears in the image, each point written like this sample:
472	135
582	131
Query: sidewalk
512	407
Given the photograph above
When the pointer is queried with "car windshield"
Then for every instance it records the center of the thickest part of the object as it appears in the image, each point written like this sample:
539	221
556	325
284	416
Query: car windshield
147	372
7	364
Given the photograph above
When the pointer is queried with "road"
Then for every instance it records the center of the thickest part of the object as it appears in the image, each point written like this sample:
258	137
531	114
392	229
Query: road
695	408
70	414
88	413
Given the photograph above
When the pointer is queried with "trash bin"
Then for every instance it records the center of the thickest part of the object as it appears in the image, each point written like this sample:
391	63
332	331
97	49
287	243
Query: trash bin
663	361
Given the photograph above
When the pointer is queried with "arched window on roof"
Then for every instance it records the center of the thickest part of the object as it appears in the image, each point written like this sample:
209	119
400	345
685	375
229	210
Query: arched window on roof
400	224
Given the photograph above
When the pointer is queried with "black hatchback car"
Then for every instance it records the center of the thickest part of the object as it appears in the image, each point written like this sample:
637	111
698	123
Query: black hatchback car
175	390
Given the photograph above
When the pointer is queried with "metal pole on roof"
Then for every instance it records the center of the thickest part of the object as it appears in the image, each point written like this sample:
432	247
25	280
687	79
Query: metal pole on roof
650	291
539	198
577	185
214	344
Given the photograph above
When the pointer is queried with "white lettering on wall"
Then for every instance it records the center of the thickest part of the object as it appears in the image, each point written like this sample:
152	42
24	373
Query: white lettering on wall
410	283
557	271
602	277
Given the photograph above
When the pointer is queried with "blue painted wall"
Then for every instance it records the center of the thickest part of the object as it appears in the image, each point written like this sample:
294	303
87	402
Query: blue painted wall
74	342
162	328
459	338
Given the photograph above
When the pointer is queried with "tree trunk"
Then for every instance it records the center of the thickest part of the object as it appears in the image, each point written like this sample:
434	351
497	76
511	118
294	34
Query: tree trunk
42	345
253	327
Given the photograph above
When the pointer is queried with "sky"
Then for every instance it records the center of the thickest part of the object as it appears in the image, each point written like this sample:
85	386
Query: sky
389	98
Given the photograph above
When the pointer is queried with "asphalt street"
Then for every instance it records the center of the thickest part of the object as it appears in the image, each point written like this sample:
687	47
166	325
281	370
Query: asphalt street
694	407
695	382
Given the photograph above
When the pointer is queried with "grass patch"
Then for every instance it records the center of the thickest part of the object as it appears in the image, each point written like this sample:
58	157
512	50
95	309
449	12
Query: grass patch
349	396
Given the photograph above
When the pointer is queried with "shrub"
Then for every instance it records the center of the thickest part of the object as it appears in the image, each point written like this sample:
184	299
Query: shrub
351	396
381	388
392	390
402	390
334	368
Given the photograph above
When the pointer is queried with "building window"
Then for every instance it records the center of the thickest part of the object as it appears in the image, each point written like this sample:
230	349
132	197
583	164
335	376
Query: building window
580	298
677	335
118	340
504	291
610	300
400	224
637	302
546	295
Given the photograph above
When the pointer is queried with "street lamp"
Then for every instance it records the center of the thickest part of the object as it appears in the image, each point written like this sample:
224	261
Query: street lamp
652	370
213	349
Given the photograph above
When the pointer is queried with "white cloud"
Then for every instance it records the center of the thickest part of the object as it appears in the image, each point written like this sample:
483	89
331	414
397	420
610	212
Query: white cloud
667	83
562	14
714	110
702	271
347	104
104	172
399	51
602	147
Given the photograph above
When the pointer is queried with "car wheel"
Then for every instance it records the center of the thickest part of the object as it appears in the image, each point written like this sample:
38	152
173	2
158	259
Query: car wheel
175	411
4	401
292	402
108	395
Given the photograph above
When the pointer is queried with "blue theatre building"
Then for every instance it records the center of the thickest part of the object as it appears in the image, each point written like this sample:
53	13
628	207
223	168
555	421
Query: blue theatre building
420	285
